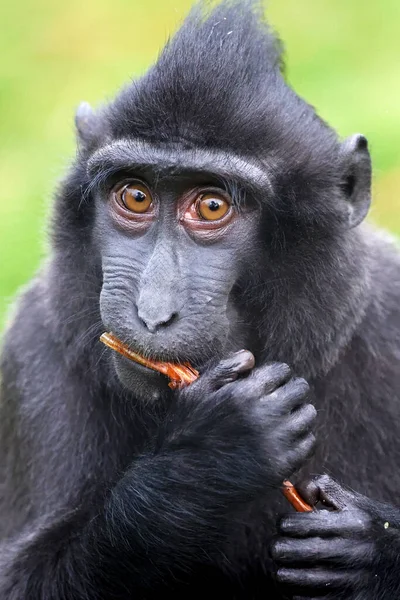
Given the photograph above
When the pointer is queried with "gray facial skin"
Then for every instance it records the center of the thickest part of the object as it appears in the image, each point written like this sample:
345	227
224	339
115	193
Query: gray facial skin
167	290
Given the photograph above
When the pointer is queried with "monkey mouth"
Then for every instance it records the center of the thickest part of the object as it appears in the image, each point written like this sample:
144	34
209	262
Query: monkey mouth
137	366
179	375
136	377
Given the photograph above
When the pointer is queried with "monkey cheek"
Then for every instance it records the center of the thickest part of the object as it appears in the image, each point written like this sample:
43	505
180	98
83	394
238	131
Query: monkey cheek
141	381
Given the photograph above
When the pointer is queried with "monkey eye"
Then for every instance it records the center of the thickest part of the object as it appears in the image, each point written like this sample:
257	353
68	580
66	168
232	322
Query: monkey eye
135	197
209	207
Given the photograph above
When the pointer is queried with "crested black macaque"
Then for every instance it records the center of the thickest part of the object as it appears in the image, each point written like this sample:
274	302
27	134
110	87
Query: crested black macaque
210	216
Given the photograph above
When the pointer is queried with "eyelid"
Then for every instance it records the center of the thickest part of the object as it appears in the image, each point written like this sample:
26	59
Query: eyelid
196	193
126	181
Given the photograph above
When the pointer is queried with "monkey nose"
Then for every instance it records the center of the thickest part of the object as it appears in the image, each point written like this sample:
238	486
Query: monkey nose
155	324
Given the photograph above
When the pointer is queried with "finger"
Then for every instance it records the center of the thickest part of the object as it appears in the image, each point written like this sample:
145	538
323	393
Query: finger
309	490
315	550
302	421
290	396
272	376
264	380
326	490
313	581
322	523
230	368
303	450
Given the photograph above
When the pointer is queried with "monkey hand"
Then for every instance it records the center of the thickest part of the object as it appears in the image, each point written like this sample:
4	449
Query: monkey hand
349	552
253	425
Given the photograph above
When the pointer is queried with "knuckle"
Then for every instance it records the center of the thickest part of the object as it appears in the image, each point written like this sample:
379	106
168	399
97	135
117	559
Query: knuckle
324	482
275	370
221	375
302	385
286	576
278	365
303	450
271	401
276	549
289	464
237	391
239	362
281	524
309	447
306	417
286	525
284	368
311	411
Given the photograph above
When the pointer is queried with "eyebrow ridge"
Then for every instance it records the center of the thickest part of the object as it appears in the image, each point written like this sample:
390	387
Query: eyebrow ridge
133	152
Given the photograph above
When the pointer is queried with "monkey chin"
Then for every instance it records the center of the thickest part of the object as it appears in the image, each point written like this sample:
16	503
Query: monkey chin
145	383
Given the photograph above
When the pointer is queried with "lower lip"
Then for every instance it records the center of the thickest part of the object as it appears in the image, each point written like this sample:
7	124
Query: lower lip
140	367
134	365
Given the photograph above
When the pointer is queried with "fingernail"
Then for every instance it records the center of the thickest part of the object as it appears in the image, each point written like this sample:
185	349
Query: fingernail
246	362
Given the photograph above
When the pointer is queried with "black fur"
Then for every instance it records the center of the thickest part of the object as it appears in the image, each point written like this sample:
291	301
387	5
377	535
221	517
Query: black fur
112	485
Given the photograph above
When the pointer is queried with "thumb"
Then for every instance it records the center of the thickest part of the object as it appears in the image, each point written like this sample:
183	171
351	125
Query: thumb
326	490
229	369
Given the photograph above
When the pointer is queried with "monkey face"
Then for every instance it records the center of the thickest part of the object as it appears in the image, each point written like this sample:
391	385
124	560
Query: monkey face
171	249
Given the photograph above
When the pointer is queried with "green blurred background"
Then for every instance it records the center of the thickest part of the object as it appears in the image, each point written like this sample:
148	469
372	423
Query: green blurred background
343	56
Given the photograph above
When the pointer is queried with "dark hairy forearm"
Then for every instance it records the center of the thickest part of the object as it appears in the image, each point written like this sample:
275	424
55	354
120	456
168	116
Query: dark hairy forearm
155	522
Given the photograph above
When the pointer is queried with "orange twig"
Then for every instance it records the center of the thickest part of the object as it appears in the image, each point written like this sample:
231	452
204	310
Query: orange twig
180	375
291	494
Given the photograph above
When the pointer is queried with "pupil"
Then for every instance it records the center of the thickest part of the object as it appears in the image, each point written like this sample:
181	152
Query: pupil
139	196
213	205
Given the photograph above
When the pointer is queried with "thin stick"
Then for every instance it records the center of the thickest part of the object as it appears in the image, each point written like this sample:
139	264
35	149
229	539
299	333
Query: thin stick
180	376
291	494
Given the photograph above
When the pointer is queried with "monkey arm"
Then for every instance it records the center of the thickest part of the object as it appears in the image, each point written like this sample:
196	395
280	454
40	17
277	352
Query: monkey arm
102	496
168	513
144	532
82	509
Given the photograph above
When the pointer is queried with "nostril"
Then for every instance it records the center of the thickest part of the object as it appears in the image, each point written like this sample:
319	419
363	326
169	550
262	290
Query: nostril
170	320
154	325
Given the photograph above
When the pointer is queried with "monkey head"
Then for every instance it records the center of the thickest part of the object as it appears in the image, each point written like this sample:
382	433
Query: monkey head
218	208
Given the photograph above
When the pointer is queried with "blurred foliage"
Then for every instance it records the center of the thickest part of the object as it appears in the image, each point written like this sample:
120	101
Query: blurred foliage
343	57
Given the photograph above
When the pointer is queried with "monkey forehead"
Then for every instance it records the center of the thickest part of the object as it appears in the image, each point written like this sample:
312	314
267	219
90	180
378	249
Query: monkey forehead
136	153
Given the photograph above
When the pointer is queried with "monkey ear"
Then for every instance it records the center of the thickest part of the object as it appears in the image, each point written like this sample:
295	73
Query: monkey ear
86	124
356	183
